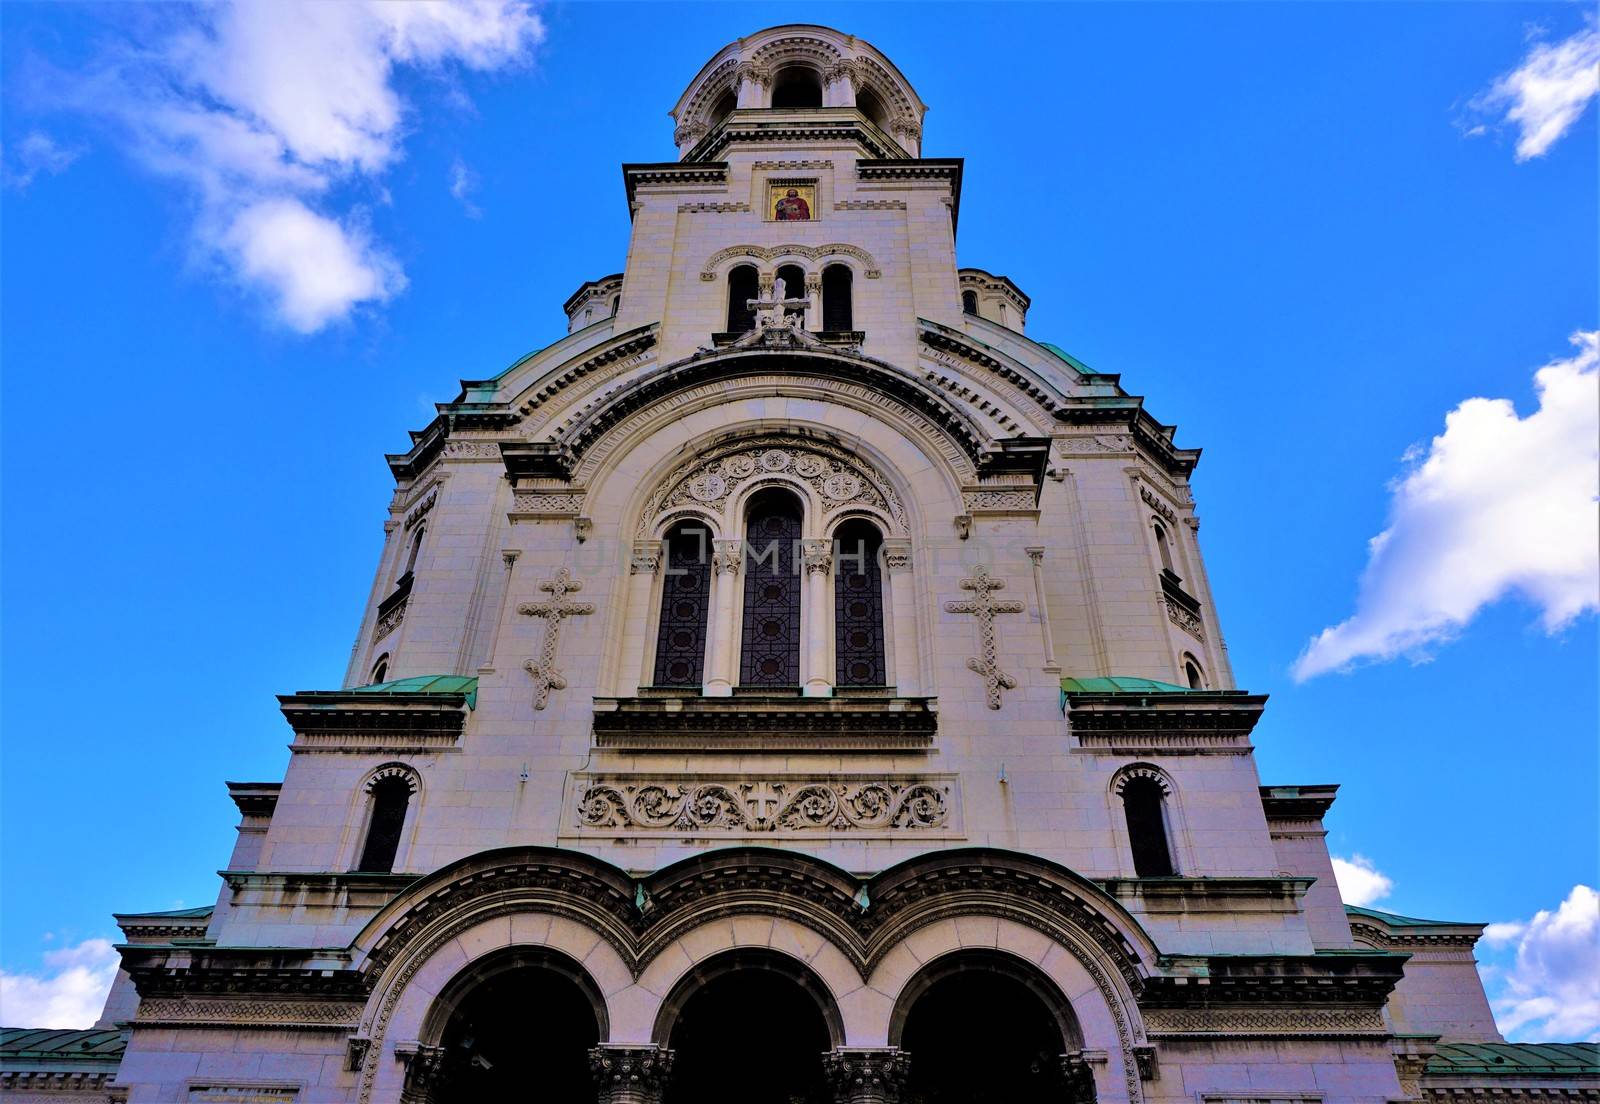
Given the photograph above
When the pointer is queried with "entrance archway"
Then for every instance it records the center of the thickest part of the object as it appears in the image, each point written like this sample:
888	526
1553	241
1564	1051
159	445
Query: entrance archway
519	1028
751	1026
984	1004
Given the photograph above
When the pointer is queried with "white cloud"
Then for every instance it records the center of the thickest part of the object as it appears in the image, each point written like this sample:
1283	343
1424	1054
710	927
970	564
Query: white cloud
1360	882
1551	991
38	153
1497	504
274	113
463	182
1547	92
69	994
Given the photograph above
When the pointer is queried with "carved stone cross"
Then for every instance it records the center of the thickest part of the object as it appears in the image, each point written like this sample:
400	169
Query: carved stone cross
779	319
983	606
546	675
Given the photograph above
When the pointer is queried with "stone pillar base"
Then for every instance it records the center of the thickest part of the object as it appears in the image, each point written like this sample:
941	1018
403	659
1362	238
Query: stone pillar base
866	1075
630	1074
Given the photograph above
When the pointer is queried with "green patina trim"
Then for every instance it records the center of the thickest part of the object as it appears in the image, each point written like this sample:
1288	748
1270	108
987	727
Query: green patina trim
1516	1059
1124	684
173	914
1394	920
1061	354
426	684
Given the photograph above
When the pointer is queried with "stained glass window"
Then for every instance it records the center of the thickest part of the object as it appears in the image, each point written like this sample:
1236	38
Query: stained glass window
770	651
858	606
685	607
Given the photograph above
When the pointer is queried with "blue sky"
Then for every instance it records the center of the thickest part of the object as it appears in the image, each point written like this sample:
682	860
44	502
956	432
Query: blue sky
1306	232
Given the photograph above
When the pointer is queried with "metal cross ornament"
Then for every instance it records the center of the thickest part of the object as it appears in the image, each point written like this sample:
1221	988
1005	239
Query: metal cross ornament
983	606
546	675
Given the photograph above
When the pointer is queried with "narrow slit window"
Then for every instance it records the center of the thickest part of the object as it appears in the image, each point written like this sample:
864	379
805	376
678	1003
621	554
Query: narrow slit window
836	290
1143	802
390	796
858	606
744	284
769	653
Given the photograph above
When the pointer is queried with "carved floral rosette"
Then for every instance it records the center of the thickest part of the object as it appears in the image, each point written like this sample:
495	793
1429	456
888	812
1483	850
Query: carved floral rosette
790	805
839	478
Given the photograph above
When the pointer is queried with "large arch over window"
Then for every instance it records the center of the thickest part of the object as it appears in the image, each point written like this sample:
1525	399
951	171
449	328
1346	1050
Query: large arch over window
836	307
858	605
769	653
685	606
744	284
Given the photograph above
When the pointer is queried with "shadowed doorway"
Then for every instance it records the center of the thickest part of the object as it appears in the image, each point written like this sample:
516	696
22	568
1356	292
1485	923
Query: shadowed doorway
523	1035
751	1034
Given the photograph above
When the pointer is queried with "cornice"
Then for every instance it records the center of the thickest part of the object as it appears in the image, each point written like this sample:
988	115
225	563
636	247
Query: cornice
1297	802
321	716
701	173
765	723
1343	977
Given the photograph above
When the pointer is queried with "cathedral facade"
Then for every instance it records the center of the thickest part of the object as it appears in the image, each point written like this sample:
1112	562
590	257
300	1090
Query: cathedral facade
796	683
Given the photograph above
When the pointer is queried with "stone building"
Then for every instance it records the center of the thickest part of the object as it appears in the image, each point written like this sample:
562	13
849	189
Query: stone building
793	684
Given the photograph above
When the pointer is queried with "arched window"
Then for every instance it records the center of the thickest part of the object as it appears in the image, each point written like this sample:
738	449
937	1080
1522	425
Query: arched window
969	302
380	670
724	106
744	284
769	655
616	301
797	86
390	794
858	605
1163	546
1143	802
794	284
868	103
1192	672
836	313
685	606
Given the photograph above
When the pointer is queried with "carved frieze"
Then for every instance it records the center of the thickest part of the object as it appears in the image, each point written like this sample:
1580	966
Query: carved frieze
1235	1020
472	450
1185	619
870	205
708	271
189	1010
1000	501
839	478
713	208
550	504
743	805
390	620
1098	444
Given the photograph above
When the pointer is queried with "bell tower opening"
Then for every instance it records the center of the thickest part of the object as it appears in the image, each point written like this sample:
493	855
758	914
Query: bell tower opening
797	86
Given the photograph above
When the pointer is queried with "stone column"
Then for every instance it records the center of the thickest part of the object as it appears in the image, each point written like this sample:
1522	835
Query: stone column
1036	554
630	1074
903	615
642	567
727	560
866	1075
753	81
814	306
839	86
425	1069
817	555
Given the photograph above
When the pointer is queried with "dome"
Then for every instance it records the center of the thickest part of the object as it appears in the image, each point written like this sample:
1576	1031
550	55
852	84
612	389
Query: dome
800	67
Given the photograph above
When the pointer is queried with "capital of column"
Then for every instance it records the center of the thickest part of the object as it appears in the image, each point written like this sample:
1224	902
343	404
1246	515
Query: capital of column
866	1075
425	1067
817	555
646	558
626	1074
1036	554
897	553
727	556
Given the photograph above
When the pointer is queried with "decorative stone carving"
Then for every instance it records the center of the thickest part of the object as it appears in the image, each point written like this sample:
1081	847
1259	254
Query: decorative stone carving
817	556
1166	512
897	555
645	559
870	205
1022	499
839	478
554	504
390	621
1099	444
355	1051
189	1010
425	1067
630	1074
1078	1076
546	675
708	271
983	607
421	509
1185	619
727	557
1149	1067
712	208
472	450
788	166
863	1075
1234	1020
788	805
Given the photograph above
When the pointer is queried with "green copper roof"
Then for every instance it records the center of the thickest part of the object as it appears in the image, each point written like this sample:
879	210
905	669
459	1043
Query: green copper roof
94	1044
1396	921
426	684
1077	364
1122	684
1517	1059
173	914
